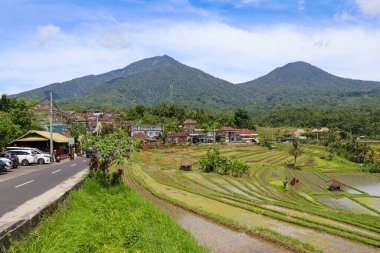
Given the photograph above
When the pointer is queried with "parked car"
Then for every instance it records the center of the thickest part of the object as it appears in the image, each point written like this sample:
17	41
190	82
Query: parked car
42	157
89	152
2	166
7	162
12	157
25	157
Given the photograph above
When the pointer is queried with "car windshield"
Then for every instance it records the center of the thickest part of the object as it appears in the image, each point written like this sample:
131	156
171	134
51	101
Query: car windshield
39	150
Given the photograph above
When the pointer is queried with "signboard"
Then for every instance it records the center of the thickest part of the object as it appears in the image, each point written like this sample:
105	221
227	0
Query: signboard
56	128
71	141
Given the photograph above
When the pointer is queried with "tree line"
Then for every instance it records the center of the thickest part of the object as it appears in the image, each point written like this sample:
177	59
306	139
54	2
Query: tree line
15	119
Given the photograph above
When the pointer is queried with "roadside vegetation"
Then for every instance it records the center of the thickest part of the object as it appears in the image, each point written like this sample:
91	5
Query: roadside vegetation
106	219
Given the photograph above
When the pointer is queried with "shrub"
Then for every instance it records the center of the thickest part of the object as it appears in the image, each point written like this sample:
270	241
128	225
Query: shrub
94	163
371	167
215	162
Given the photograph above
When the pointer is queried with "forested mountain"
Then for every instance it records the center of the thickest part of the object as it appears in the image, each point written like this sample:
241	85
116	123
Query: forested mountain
302	84
163	79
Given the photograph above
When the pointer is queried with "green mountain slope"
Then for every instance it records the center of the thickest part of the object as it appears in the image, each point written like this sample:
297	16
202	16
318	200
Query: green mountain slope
302	84
163	79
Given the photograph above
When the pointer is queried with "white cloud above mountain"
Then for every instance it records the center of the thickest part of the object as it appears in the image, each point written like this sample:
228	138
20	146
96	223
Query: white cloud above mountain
46	32
369	7
53	52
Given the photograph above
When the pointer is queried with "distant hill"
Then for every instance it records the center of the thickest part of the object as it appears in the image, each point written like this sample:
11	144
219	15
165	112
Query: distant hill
301	83
163	79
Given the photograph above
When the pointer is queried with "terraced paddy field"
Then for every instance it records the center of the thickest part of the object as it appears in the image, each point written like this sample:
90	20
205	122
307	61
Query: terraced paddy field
305	217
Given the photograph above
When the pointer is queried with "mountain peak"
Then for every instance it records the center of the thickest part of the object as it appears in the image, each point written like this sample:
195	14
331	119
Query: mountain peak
300	69
299	65
151	62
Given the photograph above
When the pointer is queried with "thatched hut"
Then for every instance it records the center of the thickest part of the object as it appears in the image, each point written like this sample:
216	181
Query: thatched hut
186	166
334	185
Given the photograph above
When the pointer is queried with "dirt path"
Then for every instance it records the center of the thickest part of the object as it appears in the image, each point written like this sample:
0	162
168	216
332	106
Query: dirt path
214	237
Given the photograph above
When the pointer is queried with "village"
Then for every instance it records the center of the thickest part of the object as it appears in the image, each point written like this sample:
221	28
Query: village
150	135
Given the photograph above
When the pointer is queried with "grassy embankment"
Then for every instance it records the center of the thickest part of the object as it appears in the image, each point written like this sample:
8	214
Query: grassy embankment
114	219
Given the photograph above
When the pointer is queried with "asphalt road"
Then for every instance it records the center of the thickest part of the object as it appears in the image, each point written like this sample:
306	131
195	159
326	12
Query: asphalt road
16	191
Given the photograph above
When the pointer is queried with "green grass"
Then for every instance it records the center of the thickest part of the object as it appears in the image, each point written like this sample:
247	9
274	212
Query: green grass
114	219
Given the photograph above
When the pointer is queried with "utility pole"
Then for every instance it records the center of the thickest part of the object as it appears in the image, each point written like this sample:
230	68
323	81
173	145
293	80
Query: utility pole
171	94
97	124
51	124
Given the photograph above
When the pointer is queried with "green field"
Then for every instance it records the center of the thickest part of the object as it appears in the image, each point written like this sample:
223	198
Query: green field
301	215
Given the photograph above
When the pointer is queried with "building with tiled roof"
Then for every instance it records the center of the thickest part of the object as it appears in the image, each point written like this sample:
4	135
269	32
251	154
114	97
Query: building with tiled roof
174	137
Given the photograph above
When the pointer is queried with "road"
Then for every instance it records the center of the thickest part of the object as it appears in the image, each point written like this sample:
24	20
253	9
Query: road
16	191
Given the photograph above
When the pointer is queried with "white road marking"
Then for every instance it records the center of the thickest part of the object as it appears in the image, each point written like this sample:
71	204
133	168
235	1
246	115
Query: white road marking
55	171
84	161
73	165
17	186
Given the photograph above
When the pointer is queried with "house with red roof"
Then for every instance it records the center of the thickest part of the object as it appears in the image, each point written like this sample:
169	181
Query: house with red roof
229	134
174	137
247	135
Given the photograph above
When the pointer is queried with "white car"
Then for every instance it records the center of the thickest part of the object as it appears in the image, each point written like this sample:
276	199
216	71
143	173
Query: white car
41	157
25	156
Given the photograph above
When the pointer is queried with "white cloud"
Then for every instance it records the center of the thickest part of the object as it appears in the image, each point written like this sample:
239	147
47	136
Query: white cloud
369	7
344	16
222	50
46	32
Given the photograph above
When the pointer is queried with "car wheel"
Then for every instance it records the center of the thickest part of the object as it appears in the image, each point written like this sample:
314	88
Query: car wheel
41	161
25	162
15	166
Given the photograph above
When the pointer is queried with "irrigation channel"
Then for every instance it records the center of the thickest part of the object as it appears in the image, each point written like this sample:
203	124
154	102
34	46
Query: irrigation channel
304	218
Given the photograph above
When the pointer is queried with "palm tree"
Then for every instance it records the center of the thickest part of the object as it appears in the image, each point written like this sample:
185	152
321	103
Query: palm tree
295	150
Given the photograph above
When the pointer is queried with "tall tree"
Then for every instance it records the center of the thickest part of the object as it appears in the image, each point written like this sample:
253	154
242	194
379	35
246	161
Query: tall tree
15	119
295	151
77	129
8	130
242	119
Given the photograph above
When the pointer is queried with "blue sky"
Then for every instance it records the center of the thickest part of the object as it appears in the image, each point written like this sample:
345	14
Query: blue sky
44	41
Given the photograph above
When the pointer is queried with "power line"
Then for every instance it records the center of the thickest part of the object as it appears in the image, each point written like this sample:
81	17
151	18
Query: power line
38	102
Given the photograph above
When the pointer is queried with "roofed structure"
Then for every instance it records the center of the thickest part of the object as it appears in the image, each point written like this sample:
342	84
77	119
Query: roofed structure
334	185
175	134
299	132
245	131
185	166
324	129
175	137
227	129
189	122
34	135
41	140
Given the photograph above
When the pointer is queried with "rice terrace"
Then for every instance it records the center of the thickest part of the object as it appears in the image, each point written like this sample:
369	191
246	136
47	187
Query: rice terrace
303	216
